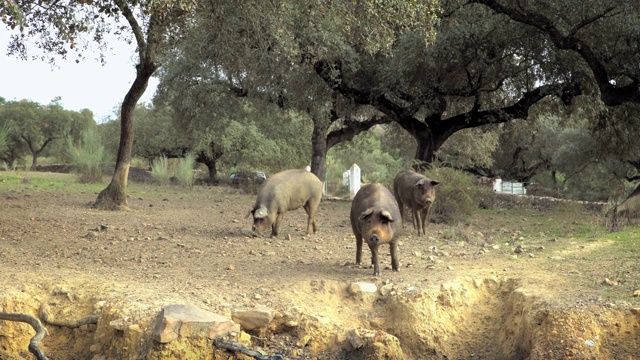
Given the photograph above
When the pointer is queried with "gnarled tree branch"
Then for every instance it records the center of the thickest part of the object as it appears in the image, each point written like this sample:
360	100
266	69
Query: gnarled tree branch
610	93
41	331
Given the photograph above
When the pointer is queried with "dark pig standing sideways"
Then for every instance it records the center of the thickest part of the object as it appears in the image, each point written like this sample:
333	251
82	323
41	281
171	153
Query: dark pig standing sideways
374	212
416	192
286	191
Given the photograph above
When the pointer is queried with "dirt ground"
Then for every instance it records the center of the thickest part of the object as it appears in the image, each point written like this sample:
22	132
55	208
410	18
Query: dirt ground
196	247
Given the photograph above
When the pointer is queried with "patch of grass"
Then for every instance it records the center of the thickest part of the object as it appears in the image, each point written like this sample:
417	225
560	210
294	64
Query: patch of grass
37	181
88	157
184	173
160	171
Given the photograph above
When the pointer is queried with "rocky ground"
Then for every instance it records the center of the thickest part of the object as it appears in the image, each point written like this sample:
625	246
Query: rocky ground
506	284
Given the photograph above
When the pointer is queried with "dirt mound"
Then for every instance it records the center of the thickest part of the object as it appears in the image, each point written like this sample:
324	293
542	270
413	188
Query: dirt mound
470	319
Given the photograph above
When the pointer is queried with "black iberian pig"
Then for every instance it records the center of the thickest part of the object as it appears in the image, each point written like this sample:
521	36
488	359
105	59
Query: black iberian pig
417	192
374	212
286	191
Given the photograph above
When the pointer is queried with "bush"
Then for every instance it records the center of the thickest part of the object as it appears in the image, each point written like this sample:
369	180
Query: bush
184	173
248	181
160	171
88	157
457	195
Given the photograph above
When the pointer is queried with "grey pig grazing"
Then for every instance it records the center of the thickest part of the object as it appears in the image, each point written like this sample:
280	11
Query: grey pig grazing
374	212
286	191
417	192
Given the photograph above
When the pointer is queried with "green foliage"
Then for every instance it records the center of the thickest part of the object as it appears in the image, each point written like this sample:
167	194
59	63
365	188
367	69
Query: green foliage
365	150
88	157
110	135
4	137
36	130
456	196
470	148
184	172
160	171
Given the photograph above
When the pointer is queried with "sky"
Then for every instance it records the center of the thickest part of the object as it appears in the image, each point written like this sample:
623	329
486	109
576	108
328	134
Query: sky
84	85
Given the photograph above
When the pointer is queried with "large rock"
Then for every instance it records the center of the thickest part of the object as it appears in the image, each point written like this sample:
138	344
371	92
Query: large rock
183	320
362	287
364	344
251	319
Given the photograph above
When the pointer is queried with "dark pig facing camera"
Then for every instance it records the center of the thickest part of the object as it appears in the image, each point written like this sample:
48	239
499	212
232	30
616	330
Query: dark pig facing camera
374	215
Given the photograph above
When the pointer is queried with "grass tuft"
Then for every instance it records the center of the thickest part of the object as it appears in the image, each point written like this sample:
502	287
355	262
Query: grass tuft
160	171
184	172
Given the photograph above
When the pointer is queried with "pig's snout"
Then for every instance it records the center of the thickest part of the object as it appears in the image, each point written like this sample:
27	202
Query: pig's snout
374	239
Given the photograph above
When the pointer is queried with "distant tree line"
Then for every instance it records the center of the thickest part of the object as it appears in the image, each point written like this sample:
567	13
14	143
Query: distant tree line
540	91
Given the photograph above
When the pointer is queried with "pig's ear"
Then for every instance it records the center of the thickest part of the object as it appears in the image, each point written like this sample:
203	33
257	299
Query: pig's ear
434	182
419	183
260	213
366	213
387	215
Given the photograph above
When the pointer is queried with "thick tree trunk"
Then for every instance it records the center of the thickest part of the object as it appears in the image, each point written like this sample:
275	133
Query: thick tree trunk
319	149
425	153
211	166
213	172
34	162
114	197
630	207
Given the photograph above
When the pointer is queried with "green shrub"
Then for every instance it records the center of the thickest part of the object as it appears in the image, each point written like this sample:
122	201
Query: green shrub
4	134
88	157
184	172
160	171
457	195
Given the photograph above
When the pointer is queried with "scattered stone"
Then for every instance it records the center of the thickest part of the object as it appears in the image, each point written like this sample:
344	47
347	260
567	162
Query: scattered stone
119	324
355	339
98	306
291	323
386	289
589	343
244	338
635	311
231	267
251	319
135	328
91	235
636	293
183	320
362	287
518	249
609	282
417	254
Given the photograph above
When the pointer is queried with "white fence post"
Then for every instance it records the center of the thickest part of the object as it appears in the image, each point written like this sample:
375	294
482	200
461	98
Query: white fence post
354	180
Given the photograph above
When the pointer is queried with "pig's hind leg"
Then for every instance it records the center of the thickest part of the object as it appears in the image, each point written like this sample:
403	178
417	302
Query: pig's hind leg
311	209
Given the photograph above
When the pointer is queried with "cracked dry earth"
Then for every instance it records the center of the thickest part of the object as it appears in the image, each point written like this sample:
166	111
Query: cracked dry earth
461	292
